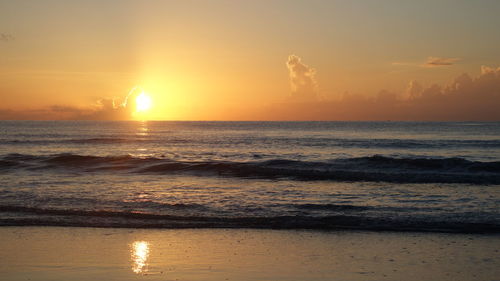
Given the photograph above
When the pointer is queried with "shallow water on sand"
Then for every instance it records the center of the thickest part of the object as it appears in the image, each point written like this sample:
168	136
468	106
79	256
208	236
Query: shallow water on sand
41	253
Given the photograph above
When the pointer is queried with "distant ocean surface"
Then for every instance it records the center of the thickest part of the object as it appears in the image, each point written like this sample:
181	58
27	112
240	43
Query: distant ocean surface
400	176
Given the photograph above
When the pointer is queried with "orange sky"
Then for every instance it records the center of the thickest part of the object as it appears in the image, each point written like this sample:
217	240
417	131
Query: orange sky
252	60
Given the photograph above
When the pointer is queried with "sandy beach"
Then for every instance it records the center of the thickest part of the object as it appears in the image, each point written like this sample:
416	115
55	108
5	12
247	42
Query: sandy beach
58	253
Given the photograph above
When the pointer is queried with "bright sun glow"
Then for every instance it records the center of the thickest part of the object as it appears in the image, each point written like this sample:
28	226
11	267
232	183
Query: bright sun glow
143	102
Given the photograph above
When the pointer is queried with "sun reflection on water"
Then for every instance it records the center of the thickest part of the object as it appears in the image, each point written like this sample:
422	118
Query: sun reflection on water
143	129
140	253
142	134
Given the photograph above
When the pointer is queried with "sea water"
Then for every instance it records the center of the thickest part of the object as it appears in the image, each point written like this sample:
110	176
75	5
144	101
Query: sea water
404	176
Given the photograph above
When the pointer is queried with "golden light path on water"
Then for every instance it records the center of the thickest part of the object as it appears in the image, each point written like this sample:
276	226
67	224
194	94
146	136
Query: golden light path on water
140	254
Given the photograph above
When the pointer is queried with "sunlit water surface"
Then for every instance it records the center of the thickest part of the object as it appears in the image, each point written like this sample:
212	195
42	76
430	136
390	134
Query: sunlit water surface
318	175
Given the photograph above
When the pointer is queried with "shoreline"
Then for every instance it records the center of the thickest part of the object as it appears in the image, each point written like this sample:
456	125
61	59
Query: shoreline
332	229
87	253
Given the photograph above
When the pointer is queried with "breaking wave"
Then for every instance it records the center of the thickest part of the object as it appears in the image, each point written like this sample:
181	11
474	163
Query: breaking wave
373	168
23	216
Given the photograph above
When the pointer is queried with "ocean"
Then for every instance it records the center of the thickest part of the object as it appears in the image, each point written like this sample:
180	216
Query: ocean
395	176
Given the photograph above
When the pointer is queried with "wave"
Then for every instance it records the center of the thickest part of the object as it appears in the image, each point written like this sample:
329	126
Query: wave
29	216
100	140
330	207
373	168
300	141
393	143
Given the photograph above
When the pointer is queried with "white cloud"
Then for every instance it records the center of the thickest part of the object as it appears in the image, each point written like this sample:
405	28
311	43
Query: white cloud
302	79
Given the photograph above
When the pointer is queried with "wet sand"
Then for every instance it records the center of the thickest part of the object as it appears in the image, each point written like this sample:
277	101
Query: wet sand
59	253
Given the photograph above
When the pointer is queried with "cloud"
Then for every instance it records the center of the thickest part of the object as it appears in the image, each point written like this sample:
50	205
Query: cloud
430	62
4	37
302	80
465	98
113	108
486	70
414	90
55	112
436	61
103	109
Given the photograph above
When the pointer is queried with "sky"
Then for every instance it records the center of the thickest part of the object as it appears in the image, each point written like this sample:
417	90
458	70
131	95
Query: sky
250	60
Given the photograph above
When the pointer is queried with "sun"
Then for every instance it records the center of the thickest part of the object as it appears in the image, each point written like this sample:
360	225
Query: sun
143	102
